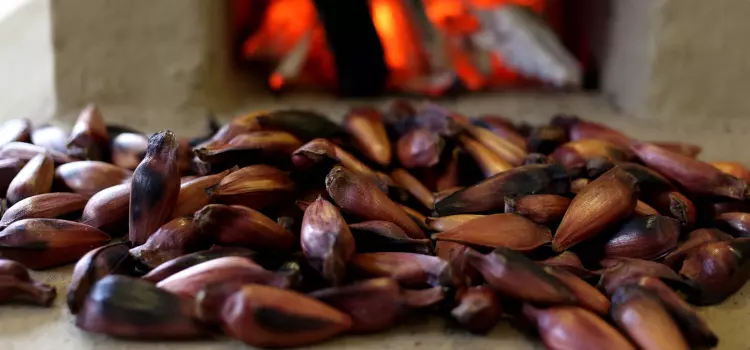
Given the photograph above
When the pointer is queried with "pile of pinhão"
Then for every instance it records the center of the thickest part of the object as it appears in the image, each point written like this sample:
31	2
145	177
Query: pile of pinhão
284	229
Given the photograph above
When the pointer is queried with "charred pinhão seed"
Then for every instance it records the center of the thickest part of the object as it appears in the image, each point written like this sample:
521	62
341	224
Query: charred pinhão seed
113	259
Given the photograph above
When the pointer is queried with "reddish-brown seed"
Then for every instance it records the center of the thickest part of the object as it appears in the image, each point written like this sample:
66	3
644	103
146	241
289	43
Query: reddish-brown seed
409	269
15	130
89	138
193	195
129	149
643	209
173	239
9	168
675	205
51	137
588	297
570	262
539	208
737	224
584	129
568	327
503	128
499	230
718	268
478	309
695	239
418	190
108	210
256	186
686	149
453	253
181	263
643	317
155	187
419	148
576	153
512	274
251	148
733	168
605	201
447	223
270	317
366	125
26	151
34	178
47	205
16	285
644	237
241	226
359	196
189	282
45	243
503	148
488	161
622	271
695	176
89	177
326	240
95	265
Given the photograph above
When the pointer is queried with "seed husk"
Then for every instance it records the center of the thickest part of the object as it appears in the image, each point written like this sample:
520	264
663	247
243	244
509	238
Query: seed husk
546	138
409	269
588	297
490	193
34	178
252	148
539	208
16	285
719	269
447	223
241	226
605	201
694	327
306	125
9	168
501	127
51	137
537	158
696	177
26	151
45	243
478	309
374	305
112	259
499	230
503	148
173	239
684	148
695	239
256	186
737	224
240	125
570	262
155	187
129	149
643	209
512	274
418	190
584	129
644	237
454	254
569	327
383	236
15	130
181	263
126	307
48	205
108	210
622	271
676	205
264	316
367	128
358	196
326	240
193	195
89	138
575	153
488	161
88	177
733	168
189	282
643	317
419	148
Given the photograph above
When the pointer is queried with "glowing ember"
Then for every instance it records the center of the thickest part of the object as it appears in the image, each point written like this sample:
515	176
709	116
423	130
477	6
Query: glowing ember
292	38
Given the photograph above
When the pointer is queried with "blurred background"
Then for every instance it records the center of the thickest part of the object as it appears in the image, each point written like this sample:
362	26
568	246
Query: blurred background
160	63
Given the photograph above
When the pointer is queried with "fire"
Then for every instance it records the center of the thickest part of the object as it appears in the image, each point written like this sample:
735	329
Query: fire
291	37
